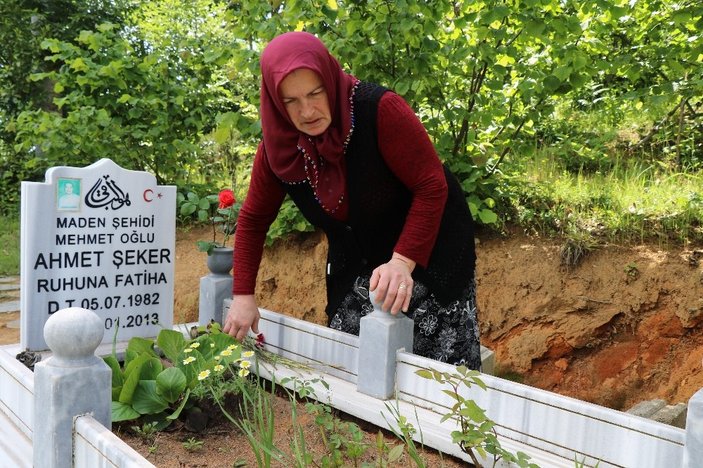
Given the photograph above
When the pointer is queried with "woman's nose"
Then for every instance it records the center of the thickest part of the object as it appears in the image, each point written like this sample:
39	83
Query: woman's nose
306	109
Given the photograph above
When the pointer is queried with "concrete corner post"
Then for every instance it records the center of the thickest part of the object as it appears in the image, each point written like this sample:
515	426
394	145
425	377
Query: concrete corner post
381	335
73	381
693	447
214	289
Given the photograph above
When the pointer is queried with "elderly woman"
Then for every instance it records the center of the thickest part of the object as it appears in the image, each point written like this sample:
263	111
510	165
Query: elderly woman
359	165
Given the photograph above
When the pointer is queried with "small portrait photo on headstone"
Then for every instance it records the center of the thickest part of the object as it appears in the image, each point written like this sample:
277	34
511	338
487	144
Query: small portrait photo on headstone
68	195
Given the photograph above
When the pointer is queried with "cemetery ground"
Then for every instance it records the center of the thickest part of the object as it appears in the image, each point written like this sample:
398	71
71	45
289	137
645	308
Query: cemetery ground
622	326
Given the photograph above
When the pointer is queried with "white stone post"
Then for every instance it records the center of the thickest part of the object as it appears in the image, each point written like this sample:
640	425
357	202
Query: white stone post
73	381
214	289
381	335
693	447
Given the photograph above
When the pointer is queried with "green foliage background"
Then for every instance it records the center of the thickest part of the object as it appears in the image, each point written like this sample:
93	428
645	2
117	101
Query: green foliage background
172	87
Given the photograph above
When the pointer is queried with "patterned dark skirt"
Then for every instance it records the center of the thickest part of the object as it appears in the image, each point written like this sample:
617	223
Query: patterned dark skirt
447	333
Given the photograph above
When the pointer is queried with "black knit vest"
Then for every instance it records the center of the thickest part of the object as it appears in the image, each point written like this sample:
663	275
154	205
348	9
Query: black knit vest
378	205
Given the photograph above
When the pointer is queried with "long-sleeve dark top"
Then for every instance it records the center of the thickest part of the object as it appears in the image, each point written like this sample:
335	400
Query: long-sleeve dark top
408	152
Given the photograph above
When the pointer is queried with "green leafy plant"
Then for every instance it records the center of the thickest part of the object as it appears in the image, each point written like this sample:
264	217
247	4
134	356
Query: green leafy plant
632	271
258	424
147	431
475	434
405	432
156	388
193	444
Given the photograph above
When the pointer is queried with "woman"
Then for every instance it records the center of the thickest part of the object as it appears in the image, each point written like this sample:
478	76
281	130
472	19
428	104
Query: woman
360	166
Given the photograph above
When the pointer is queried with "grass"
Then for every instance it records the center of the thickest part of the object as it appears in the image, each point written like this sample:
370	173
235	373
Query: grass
631	202
9	246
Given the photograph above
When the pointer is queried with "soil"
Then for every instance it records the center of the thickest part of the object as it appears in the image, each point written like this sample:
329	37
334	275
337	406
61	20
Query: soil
623	326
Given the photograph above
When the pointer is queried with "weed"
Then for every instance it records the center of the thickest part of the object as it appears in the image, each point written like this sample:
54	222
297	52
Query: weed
576	246
193	445
405	432
147	431
632	271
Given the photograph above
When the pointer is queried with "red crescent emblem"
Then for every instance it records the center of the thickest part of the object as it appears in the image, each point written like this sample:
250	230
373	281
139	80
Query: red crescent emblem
148	192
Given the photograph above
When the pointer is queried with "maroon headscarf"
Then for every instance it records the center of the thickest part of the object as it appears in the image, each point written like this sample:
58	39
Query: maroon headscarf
292	155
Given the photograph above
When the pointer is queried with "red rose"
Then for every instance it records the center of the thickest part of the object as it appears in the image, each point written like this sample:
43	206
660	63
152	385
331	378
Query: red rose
226	198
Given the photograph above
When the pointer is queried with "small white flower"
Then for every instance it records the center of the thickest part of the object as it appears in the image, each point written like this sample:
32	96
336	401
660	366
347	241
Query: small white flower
226	352
204	375
217	358
219	368
212	345
188	360
248	354
231	347
243	372
188	350
195	344
245	364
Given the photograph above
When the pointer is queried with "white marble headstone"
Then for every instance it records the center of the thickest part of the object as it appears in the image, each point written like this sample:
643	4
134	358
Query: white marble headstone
101	238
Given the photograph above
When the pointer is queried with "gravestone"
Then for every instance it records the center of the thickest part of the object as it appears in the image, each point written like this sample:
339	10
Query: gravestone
100	238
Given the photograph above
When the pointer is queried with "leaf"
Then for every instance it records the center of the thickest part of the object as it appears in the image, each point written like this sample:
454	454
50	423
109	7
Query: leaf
424	373
117	377
212	54
535	27
123	412
332	4
180	407
150	369
188	209
171	342
562	72
395	453
402	87
171	383
130	383
504	60
222	134
487	216
141	345
146	400
453	394
223	340
472	411
551	83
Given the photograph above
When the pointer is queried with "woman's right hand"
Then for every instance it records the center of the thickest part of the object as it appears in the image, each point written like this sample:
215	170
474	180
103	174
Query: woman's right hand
242	315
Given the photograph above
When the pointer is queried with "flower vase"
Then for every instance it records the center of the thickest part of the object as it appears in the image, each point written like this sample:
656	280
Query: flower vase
219	261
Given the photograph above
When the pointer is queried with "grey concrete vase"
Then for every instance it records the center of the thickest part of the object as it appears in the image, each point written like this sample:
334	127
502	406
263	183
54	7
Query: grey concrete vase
219	262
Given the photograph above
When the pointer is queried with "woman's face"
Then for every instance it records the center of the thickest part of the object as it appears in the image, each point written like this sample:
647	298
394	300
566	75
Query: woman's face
305	99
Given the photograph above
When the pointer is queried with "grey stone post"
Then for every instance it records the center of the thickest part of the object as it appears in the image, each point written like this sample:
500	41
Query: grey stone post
73	381
214	289
693	447
381	335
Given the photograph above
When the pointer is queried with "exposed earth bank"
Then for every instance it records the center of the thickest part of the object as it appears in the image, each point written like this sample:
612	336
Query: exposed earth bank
624	325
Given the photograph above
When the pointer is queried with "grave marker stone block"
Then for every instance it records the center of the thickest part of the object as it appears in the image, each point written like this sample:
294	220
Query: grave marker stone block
101	238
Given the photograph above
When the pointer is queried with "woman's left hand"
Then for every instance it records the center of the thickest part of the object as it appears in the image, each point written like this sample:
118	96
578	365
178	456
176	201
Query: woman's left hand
393	283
